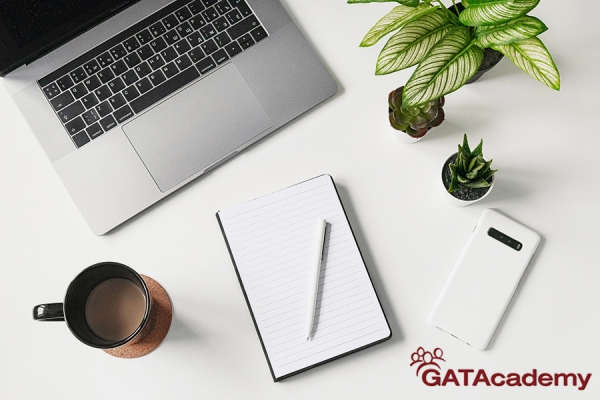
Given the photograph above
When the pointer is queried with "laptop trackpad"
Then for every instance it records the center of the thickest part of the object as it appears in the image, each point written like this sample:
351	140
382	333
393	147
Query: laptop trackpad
197	127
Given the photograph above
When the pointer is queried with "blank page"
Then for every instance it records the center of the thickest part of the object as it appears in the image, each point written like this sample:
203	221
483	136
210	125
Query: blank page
272	241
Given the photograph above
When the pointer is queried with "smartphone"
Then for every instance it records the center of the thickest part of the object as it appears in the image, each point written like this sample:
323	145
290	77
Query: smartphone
484	279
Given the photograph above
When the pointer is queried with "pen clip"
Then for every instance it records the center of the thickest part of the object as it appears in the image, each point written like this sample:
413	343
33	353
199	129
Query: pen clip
323	246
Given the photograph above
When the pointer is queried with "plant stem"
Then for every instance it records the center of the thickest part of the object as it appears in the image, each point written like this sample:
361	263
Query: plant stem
455	7
442	4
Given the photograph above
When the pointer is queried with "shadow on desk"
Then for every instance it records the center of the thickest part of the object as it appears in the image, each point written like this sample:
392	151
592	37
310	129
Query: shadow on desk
180	330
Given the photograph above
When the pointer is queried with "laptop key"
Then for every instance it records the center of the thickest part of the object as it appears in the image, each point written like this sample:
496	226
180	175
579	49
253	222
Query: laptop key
196	54
197	22
79	90
157	29
195	39
209	46
118	52
106	75
158	44
223	7
131	44
65	82
234	16
103	93
94	130
169	54
170	21
243	27
220	56
183	14
171	37
145	52
184	29
92	83
104	59
170	70
244	8
208	31
156	62
143	69
90	116
51	90
143	85
89	100
208	3
116	85
62	100
144	37
132	60
130	93
108	123
233	49
165	89
182	46
183	62
75	125
206	65
259	34
157	77
70	112
103	109
196	6
117	101
78	75
221	24
81	138
222	39
119	67
129	77
210	14
246	41
91	67
123	114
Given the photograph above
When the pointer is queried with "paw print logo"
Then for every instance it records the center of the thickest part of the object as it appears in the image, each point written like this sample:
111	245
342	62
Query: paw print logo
424	358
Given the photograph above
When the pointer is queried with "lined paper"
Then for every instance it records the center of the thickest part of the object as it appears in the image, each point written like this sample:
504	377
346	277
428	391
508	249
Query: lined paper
272	241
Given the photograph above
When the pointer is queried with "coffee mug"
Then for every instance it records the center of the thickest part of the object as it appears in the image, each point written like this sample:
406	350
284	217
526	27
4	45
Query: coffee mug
106	306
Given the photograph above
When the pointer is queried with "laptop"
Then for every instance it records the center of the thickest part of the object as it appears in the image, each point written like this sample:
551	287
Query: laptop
132	99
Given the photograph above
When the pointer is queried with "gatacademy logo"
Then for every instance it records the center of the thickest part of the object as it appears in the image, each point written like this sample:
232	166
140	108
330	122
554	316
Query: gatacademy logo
429	368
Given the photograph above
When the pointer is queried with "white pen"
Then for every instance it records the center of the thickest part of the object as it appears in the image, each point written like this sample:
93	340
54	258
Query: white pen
314	282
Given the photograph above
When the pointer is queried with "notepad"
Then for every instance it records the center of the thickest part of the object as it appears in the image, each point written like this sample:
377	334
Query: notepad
271	241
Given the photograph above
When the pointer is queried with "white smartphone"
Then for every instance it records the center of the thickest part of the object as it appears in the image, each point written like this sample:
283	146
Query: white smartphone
484	279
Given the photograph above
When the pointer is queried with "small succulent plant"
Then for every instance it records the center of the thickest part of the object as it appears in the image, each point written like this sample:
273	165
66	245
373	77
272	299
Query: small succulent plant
470	169
415	121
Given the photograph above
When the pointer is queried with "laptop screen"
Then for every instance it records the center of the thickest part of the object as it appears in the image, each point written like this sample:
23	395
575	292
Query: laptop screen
30	28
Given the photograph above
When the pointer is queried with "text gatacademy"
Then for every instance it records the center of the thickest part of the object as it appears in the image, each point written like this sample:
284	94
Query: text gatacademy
470	377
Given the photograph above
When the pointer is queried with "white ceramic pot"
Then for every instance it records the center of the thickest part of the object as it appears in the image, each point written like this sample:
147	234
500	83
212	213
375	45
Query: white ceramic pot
456	201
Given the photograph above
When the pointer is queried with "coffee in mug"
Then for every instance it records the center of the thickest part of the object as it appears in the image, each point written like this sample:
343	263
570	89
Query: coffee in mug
106	306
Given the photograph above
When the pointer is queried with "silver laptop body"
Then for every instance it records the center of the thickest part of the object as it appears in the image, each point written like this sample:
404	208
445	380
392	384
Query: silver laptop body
185	135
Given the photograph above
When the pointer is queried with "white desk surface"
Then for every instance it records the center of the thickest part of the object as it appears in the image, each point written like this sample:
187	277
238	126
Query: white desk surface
545	145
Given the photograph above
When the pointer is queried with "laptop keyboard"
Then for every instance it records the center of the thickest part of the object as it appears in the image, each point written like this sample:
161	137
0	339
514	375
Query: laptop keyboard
128	73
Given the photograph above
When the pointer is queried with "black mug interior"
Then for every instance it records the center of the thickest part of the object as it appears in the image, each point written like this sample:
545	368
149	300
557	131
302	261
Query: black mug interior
79	291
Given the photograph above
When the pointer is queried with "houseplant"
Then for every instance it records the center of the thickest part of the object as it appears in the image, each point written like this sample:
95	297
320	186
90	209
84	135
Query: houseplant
414	121
449	49
467	176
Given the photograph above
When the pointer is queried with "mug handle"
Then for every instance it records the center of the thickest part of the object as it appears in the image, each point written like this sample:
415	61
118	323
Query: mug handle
49	312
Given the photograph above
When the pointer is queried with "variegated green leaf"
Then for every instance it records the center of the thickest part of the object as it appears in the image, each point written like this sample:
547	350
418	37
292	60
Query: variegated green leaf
447	66
409	3
399	16
532	57
492	12
511	31
479	183
412	42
